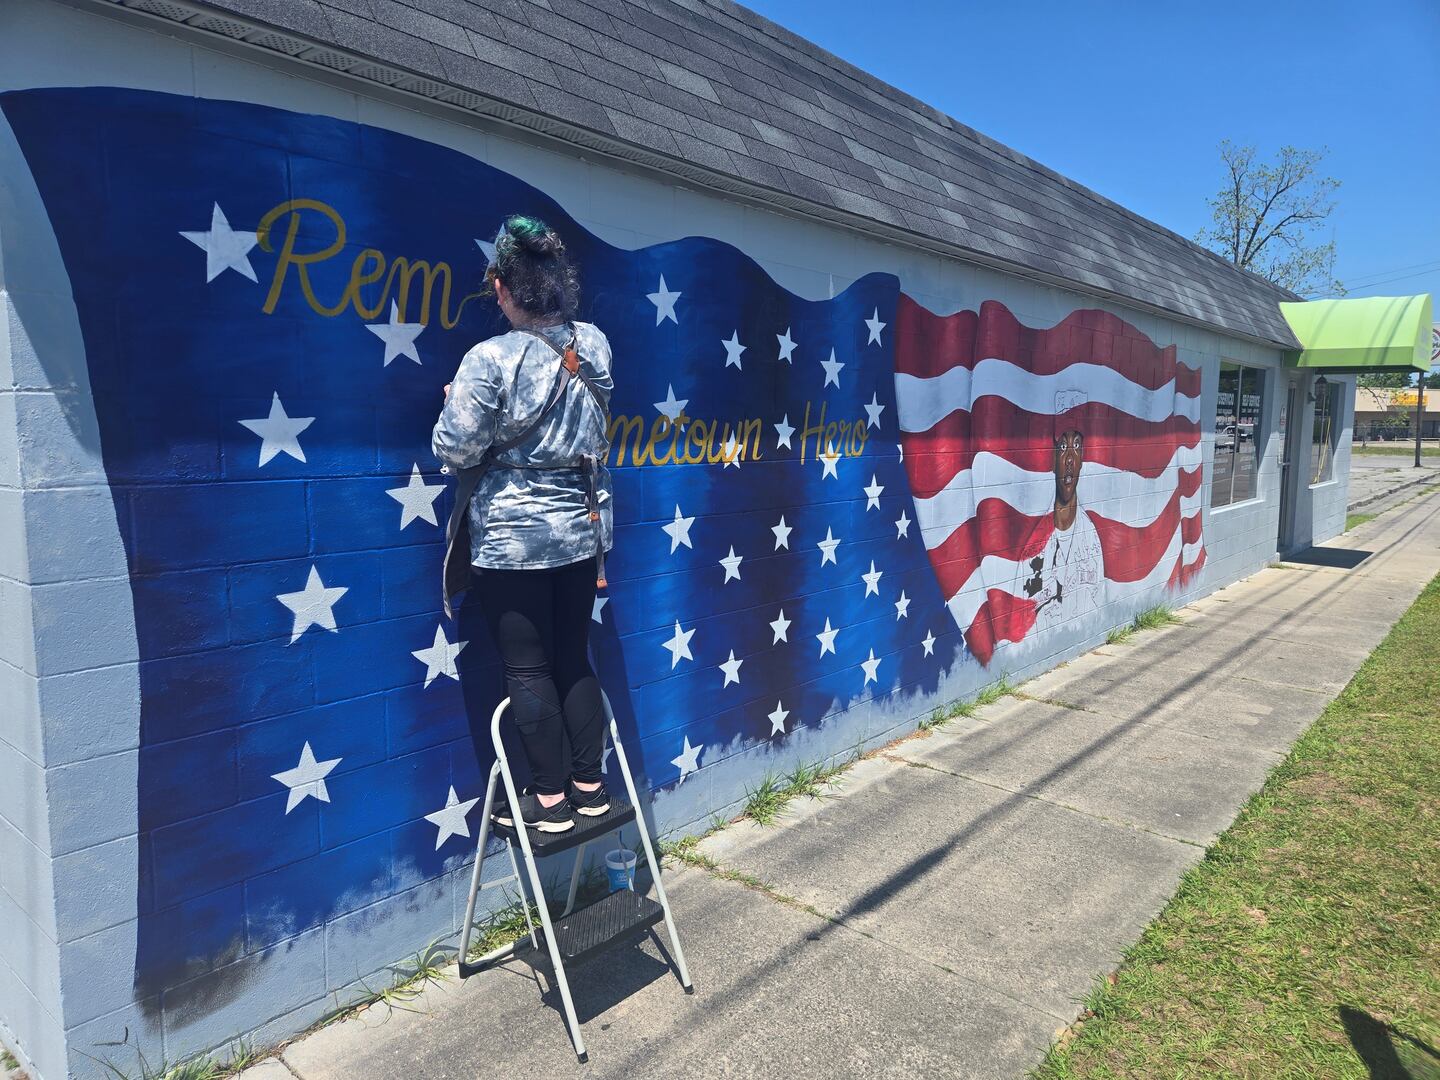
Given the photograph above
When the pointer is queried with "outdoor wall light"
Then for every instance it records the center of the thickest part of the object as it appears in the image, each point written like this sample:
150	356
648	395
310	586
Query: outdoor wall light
1316	389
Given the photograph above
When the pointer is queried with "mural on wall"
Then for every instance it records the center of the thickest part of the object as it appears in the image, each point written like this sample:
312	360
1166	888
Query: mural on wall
1054	472
821	506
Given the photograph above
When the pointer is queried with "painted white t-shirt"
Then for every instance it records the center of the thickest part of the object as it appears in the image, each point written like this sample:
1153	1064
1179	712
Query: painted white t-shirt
1068	583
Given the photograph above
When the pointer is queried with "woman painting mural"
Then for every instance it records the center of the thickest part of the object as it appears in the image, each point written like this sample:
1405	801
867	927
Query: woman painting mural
525	426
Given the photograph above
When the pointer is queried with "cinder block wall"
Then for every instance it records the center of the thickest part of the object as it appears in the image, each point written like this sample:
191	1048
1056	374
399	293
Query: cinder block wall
69	887
69	728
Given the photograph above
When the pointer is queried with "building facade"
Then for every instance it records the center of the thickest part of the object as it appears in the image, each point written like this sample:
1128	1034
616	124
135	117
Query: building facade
899	413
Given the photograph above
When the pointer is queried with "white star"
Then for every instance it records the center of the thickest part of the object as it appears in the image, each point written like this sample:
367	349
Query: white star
279	433
224	247
313	605
688	761
832	370
439	658
827	547
731	668
399	337
873	411
307	779
679	645
829	460
929	643
786	346
902	607
672	406
783	430
416	499
731	563
872	493
875	325
902	526
872	668
782	534
664	301
488	249
872	580
730	452
733	349
451	820
679	531
781	628
826	638
777	718
597	607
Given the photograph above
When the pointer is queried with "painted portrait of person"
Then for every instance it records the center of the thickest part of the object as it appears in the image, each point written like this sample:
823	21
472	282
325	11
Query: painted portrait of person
1066	578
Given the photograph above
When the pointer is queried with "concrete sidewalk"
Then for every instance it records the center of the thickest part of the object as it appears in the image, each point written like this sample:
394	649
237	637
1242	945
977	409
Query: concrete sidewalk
946	910
1377	478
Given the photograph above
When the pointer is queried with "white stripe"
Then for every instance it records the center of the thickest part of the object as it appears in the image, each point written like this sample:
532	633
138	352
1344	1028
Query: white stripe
1114	493
996	572
922	403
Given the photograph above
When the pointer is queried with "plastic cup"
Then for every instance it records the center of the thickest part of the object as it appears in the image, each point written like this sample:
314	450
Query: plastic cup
620	869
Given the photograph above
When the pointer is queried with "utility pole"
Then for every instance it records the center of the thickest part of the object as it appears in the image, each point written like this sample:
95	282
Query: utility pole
1419	411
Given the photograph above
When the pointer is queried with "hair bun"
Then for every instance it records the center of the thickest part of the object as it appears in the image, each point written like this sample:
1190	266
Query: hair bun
534	235
547	243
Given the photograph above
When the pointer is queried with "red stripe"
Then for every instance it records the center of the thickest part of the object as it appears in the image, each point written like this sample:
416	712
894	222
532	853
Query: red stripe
996	528
1002	617
1133	551
1181	575
1027	440
927	345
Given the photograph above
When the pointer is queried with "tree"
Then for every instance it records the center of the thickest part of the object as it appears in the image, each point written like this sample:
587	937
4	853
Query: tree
1391	379
1266	216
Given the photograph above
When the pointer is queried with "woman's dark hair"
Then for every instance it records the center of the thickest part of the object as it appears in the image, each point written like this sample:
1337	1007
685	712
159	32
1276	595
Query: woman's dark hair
530	258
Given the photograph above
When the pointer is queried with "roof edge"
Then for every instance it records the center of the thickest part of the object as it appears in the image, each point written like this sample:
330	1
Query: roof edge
214	22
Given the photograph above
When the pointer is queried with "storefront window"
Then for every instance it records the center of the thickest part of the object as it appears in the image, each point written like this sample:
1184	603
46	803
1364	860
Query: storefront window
1239	406
1326	434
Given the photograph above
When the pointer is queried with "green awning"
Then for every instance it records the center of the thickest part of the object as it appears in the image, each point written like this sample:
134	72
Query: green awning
1368	333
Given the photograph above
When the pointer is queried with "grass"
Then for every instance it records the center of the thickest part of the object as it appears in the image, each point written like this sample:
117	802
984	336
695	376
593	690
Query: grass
1307	942
1149	619
1353	521
7	1060
764	802
965	709
1395	449
205	1067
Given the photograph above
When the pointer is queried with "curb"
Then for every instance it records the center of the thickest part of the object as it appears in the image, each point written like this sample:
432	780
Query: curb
1430	476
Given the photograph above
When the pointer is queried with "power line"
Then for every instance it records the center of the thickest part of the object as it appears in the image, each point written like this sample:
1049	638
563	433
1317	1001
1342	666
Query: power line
1386	281
1365	284
1397	269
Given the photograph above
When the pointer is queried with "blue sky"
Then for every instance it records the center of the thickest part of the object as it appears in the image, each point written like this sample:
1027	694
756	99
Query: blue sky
1132	100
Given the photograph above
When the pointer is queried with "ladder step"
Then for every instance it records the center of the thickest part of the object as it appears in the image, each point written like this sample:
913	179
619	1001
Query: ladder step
586	828
619	917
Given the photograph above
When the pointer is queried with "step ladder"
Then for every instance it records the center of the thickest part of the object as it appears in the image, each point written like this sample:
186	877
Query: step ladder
574	936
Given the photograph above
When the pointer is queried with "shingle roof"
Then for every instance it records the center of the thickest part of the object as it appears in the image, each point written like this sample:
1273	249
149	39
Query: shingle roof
709	88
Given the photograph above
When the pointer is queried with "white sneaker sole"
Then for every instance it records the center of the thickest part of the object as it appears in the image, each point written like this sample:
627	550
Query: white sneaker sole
593	811
540	826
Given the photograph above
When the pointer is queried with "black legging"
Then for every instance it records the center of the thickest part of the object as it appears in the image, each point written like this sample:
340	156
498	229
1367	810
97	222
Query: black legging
540	620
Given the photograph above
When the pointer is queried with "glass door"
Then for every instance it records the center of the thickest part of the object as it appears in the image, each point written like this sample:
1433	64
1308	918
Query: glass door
1292	405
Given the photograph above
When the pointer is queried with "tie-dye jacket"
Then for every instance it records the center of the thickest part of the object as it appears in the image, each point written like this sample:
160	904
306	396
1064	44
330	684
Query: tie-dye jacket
525	516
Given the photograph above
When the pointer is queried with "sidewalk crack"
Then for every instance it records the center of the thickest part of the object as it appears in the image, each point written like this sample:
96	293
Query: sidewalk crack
1049	802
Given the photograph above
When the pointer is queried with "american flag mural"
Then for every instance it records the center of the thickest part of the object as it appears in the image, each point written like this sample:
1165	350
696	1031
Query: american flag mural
822	507
1005	426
